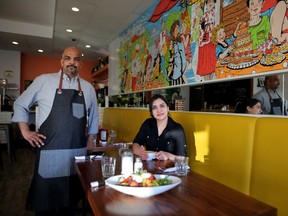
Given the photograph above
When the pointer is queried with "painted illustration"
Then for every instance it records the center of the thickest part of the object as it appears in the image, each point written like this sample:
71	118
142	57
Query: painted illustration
227	2
182	42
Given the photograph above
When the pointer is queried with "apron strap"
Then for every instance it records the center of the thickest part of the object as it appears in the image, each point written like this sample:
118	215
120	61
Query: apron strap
80	92
59	91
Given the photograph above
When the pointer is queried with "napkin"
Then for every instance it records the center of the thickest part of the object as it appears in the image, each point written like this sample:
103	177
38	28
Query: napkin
90	157
172	169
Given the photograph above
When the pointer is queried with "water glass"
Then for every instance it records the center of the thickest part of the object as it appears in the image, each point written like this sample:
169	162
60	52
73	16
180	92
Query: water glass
108	165
181	165
122	147
112	134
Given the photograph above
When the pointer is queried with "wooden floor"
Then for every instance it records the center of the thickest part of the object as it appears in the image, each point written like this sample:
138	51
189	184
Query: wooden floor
15	180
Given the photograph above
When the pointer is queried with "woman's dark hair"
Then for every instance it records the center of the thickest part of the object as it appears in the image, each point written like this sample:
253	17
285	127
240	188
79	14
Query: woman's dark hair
153	98
242	105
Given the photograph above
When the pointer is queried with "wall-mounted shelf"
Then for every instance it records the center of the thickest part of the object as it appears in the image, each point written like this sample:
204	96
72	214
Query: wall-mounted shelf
101	76
103	71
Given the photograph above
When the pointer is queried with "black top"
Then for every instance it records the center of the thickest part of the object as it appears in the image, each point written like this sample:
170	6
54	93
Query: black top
171	140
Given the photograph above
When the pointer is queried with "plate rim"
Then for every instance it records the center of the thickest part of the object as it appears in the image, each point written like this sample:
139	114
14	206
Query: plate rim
141	195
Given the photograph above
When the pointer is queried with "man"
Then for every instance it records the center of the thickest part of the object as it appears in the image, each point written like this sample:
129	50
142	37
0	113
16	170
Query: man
64	102
270	96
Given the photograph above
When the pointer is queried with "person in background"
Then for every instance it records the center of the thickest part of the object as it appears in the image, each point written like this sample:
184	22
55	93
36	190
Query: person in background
160	133
250	106
65	104
270	96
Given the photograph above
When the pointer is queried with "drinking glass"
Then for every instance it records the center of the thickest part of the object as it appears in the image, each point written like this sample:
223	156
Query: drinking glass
122	147
108	165
181	165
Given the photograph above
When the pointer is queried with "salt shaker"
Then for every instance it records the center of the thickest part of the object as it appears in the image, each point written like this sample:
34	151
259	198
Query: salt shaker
138	165
127	162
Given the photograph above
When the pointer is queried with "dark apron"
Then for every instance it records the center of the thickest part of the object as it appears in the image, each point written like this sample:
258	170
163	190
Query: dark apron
276	105
54	175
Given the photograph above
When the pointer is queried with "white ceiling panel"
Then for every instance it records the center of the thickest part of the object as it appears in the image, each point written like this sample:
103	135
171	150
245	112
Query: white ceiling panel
44	24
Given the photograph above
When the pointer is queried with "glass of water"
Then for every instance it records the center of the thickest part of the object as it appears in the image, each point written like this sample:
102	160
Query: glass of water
108	165
181	165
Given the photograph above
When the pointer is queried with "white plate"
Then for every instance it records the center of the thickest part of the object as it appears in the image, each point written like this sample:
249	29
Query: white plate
143	191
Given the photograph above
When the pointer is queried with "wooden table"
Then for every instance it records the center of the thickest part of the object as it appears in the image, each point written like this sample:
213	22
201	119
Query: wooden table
111	145
196	195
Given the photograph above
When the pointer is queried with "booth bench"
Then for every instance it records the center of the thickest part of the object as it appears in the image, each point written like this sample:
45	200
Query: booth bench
246	152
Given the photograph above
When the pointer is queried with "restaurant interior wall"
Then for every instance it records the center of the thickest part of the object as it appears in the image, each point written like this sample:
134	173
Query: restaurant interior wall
10	70
33	66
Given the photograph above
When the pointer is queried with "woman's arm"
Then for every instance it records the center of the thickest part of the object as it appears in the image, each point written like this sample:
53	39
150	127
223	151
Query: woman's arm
139	150
181	141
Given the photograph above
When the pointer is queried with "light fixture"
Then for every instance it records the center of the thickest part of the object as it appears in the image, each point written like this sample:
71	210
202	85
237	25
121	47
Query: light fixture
15	42
82	54
75	9
88	46
68	30
40	50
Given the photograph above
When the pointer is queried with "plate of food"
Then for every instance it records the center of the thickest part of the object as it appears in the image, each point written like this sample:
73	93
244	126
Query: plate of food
272	59
144	184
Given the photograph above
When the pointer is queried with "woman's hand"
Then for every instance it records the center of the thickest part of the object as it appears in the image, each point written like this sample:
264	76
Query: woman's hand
140	151
162	155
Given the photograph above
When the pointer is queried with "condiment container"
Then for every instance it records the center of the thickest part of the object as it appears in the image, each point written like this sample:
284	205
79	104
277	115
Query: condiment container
103	136
138	165
127	162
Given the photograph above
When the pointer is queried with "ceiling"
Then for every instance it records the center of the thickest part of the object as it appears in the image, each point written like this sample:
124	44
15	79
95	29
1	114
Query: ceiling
42	24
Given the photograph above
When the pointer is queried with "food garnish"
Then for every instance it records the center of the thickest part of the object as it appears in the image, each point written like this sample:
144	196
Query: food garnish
143	179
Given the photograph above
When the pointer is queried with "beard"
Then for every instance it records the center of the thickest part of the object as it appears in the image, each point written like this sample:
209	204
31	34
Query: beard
71	70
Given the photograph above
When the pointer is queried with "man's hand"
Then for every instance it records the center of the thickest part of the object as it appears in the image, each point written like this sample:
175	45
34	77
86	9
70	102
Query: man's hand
33	137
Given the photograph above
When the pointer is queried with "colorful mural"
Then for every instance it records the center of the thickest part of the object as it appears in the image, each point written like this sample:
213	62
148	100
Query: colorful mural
179	42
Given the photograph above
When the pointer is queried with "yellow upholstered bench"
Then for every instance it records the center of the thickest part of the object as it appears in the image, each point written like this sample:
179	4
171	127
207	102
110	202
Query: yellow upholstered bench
223	143
248	153
269	175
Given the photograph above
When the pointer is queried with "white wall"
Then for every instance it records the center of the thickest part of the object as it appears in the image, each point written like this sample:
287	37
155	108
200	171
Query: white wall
11	61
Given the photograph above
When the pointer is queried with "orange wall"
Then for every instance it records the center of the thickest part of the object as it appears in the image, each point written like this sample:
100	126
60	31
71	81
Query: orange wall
33	66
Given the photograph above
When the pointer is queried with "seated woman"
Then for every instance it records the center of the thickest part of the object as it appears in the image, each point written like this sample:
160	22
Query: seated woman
250	106
160	133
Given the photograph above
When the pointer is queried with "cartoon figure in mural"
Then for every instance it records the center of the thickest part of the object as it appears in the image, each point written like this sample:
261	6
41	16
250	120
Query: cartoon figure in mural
162	44
279	22
186	35
135	67
123	81
156	67
224	46
259	26
162	40
148	72
206	56
177	61
196	16
126	80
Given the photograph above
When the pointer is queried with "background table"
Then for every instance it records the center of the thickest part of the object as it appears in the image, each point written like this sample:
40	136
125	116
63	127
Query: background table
196	195
111	145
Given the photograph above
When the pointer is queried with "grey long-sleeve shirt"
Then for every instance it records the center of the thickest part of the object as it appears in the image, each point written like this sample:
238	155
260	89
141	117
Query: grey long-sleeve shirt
42	91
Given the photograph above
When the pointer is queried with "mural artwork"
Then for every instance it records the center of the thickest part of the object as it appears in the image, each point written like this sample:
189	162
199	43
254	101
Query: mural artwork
179	42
